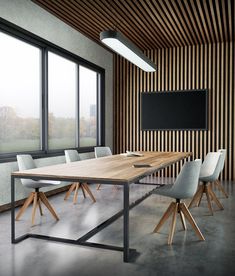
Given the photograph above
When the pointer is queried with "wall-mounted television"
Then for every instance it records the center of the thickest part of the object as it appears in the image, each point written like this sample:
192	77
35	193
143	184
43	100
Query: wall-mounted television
174	110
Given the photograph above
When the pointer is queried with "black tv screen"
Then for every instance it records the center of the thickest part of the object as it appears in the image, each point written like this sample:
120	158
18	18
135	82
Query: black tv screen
174	110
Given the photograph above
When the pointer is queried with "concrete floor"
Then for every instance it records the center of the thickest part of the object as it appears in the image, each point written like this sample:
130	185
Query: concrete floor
187	255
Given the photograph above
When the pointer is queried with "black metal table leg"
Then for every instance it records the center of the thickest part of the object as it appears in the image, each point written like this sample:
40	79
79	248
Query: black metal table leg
128	253
12	209
126	223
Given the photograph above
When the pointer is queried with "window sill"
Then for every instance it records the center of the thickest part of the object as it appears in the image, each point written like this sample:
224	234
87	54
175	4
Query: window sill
4	158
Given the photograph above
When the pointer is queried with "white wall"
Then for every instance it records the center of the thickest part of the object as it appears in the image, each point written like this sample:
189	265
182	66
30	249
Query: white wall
33	18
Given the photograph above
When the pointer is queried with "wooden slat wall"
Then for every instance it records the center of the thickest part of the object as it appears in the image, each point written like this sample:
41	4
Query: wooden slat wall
150	24
191	41
208	66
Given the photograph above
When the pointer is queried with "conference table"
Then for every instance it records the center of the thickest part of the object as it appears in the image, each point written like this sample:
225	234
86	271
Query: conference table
117	169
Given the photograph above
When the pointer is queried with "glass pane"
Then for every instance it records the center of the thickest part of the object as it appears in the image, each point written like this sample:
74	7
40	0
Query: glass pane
62	89
20	90
87	107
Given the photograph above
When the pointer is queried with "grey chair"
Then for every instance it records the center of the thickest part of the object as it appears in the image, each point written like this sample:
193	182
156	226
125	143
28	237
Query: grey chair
210	170
222	162
73	156
102	152
184	187
26	162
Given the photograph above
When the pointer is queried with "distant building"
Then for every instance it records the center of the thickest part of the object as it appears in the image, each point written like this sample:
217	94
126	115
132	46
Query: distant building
93	110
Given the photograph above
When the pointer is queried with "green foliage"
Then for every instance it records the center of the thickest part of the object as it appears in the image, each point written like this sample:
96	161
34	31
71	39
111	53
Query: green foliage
17	133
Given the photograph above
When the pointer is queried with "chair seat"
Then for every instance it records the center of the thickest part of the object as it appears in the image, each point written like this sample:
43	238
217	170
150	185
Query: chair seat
169	191
207	178
41	183
163	190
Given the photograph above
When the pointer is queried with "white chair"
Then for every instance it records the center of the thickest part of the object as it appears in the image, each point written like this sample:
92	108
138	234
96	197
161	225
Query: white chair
222	162
184	187
102	152
26	162
73	156
210	170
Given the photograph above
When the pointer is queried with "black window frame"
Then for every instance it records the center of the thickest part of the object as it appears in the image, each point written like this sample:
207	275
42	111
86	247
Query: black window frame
46	46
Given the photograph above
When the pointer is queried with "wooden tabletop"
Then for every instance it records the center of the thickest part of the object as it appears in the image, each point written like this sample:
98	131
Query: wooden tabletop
111	169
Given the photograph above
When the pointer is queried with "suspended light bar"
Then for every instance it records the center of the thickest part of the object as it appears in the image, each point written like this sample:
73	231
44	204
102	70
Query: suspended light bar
124	47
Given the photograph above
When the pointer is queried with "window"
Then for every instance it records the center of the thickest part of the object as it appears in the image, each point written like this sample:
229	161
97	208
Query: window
87	107
62	102
20	93
50	99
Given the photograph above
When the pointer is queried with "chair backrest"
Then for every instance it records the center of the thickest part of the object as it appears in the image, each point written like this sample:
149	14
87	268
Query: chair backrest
102	151
222	158
186	182
72	156
210	169
25	162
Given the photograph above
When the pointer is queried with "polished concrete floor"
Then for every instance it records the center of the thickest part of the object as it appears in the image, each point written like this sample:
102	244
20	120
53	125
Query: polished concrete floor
186	256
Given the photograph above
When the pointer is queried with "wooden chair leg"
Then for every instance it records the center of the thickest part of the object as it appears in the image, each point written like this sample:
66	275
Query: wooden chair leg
173	223
77	185
115	187
26	204
165	216
191	220
182	219
40	206
35	203
208	199
221	188
201	195
48	205
98	187
214	197
83	191
85	186
72	187
196	196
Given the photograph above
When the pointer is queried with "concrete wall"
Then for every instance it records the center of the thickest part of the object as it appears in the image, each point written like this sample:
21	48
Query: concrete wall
31	17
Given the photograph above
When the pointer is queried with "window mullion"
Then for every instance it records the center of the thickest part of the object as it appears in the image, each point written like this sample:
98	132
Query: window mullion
44	132
98	109
34	125
77	113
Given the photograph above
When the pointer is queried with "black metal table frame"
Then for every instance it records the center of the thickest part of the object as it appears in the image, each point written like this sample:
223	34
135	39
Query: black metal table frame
127	252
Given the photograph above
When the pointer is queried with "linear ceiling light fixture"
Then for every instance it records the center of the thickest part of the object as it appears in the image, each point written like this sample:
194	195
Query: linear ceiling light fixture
124	47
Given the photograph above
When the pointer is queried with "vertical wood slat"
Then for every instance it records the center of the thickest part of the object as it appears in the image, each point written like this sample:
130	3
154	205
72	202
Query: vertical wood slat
226	105
207	66
150	24
232	133
115	105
